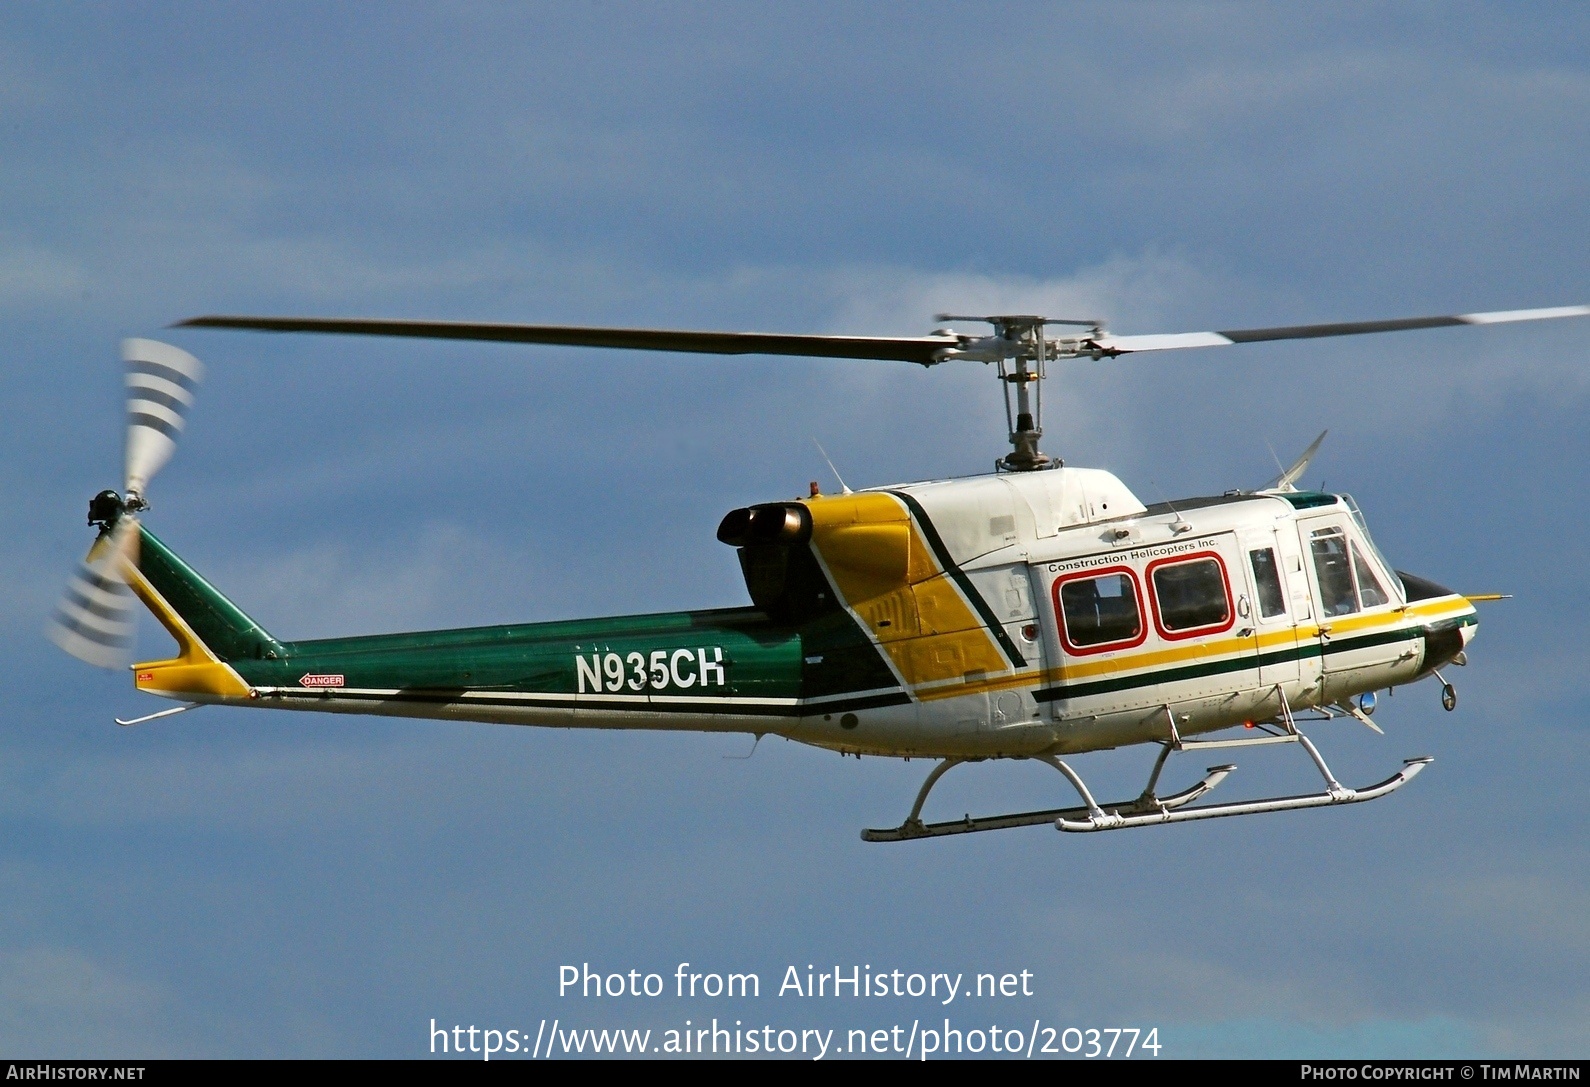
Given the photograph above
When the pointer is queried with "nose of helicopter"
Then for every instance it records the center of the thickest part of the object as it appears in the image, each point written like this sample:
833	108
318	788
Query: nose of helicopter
1472	627
1451	630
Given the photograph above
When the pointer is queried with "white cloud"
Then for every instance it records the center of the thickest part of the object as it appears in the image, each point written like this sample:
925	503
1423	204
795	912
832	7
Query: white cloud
433	576
59	1002
1286	1037
24	86
255	790
31	276
1128	294
1534	912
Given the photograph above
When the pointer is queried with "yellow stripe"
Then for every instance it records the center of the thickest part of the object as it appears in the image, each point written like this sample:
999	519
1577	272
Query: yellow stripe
1446	607
1010	682
1443	608
195	670
1304	632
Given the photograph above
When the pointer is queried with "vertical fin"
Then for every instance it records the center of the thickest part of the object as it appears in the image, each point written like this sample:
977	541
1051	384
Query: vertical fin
198	608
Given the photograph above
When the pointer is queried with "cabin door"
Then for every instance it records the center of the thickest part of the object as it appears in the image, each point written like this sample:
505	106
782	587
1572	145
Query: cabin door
1270	609
1354	612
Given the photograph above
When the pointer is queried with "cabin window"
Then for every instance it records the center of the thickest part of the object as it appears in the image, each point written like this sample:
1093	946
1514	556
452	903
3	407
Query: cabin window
1100	611
1190	597
1331	566
1369	541
1267	576
1370	594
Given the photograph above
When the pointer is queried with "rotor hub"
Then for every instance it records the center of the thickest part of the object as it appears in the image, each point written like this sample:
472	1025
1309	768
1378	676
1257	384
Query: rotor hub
105	509
1021	352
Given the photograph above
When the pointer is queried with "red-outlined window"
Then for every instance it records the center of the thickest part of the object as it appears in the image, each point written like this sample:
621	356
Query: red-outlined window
1100	610
1193	604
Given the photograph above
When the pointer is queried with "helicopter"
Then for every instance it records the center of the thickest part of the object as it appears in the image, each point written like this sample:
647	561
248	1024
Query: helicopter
1037	612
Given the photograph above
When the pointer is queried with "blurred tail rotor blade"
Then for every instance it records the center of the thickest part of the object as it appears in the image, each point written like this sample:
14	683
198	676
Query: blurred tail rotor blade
95	618
161	380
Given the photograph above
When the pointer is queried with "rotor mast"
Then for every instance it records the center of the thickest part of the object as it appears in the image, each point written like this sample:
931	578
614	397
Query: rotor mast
1021	352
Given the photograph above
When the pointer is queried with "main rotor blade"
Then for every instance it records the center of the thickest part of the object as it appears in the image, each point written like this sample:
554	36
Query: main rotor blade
1174	340
922	350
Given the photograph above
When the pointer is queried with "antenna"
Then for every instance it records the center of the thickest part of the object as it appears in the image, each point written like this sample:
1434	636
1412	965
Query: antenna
842	488
1279	467
741	758
1180	524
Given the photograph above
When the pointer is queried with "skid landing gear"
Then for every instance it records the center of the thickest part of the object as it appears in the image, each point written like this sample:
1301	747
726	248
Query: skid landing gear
1149	809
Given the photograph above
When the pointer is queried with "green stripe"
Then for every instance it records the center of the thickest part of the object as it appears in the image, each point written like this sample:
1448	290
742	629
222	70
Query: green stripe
1234	664
943	555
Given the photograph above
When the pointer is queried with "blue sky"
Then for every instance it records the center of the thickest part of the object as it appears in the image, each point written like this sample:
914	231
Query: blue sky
232	883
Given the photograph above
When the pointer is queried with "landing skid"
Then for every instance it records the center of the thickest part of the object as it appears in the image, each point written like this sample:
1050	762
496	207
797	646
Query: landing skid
1148	809
913	827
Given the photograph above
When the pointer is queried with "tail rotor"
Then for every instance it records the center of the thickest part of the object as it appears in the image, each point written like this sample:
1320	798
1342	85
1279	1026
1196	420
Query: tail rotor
161	380
95	618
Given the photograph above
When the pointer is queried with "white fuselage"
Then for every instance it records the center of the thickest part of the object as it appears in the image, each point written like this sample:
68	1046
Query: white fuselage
1136	624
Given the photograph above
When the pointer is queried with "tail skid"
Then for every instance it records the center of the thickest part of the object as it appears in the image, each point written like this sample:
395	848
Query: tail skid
172	712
